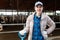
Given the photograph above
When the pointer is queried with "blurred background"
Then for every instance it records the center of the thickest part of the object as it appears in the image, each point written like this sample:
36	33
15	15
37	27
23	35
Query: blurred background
13	14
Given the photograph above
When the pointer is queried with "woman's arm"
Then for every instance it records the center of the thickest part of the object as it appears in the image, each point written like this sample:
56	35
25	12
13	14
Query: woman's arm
51	25
26	29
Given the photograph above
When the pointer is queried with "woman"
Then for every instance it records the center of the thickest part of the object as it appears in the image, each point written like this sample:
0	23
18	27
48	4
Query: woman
36	24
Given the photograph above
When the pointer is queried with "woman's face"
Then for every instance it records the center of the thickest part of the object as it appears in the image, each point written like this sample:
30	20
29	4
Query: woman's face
39	9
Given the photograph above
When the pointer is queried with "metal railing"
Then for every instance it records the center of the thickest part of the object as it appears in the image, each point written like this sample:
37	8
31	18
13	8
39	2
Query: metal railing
13	24
57	22
23	25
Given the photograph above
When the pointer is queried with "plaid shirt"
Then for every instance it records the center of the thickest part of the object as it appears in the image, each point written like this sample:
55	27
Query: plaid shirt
36	29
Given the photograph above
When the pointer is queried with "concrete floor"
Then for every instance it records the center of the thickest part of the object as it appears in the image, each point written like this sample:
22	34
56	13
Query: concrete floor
14	36
55	38
9	35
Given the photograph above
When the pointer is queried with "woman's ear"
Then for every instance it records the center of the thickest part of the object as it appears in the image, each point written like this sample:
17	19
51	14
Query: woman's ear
34	8
42	8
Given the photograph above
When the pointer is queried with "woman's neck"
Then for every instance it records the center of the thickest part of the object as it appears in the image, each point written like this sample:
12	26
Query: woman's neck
38	14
